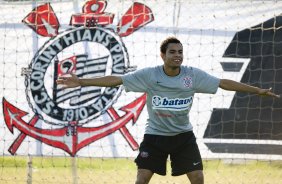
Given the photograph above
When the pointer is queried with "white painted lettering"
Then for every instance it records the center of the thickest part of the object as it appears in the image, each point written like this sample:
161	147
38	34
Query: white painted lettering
39	99
36	85
49	52
78	35
40	67
37	75
118	68
116	48
106	42
87	35
117	58
99	36
48	108
69	40
58	45
46	60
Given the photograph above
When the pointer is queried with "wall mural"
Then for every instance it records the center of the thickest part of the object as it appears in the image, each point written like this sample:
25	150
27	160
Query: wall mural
250	116
75	110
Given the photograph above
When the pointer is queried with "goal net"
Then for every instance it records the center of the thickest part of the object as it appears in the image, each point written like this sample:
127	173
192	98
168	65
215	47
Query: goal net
78	135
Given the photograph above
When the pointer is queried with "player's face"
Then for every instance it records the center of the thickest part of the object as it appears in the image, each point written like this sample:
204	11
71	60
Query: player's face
173	57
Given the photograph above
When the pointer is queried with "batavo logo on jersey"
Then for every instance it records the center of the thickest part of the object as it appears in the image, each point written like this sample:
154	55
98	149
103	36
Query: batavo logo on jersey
175	104
65	53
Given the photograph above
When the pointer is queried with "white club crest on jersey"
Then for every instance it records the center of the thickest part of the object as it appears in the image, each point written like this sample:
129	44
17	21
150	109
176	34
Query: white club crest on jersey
187	82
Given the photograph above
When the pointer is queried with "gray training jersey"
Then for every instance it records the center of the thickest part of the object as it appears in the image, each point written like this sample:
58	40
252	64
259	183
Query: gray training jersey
169	99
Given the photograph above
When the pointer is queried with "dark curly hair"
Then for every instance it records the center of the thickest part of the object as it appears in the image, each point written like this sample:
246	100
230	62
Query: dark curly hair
167	41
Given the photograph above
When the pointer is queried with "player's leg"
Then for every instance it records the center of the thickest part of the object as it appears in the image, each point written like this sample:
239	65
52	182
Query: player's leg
187	159
143	176
196	177
151	159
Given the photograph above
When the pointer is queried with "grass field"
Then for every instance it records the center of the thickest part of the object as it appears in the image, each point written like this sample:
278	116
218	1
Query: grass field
13	170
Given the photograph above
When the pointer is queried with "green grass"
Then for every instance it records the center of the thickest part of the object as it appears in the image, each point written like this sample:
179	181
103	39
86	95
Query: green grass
13	170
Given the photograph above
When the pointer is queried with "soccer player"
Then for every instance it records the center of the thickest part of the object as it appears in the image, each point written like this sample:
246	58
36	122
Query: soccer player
170	89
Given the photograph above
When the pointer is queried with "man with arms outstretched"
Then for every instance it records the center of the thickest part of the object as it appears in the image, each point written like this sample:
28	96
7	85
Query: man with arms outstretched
170	89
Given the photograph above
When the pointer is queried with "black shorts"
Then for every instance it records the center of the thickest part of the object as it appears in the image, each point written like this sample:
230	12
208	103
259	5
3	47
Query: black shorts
182	149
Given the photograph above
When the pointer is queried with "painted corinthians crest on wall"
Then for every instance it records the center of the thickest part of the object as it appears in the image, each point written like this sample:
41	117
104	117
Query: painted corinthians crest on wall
75	110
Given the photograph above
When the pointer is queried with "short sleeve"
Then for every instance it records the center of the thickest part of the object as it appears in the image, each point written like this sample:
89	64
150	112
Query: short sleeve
136	81
204	82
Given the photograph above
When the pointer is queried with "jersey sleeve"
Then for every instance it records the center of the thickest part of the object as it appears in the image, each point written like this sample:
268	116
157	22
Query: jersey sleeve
136	81
205	83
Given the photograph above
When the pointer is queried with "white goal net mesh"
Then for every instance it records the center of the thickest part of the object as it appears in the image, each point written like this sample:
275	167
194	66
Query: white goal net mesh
97	131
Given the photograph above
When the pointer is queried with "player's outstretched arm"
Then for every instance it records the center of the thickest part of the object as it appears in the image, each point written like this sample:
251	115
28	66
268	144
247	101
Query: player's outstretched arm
73	81
241	87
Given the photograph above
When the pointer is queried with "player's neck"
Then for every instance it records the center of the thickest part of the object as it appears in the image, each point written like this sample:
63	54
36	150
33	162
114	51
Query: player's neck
171	71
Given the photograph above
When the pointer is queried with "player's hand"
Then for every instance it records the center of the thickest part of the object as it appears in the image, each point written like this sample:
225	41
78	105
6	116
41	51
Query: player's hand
68	82
267	92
